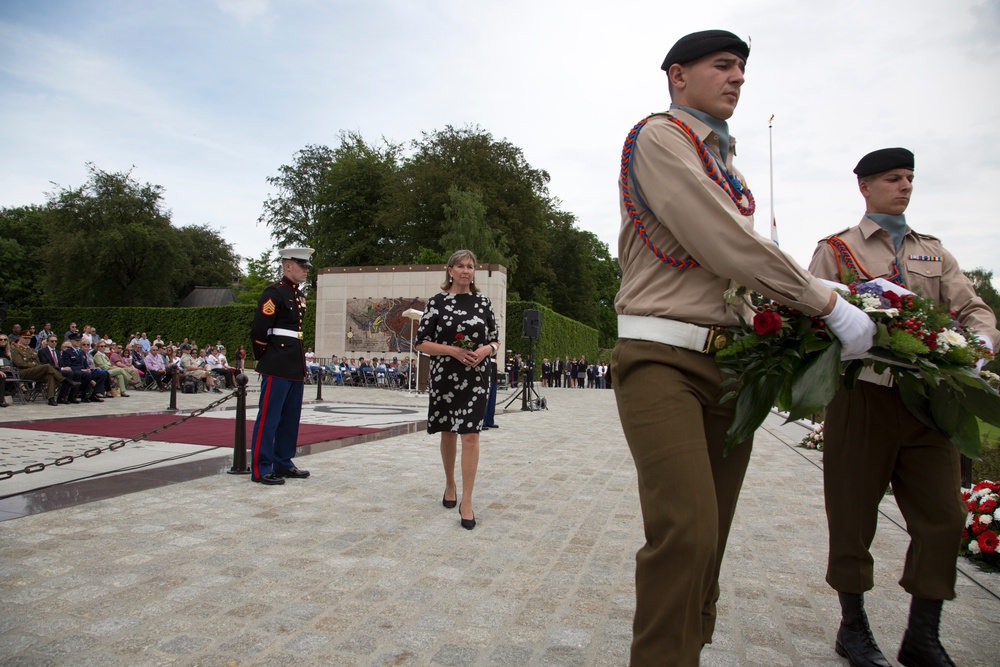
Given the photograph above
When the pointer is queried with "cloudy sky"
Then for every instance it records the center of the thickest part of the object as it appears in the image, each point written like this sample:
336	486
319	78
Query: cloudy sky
208	99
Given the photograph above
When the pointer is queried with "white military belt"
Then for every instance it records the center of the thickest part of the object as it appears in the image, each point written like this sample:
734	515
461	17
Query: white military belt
284	332
672	332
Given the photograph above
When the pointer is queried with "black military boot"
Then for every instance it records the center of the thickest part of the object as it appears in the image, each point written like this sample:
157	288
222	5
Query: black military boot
921	646
854	639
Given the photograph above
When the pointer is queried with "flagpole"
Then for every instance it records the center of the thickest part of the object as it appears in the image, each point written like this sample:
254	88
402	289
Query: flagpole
770	157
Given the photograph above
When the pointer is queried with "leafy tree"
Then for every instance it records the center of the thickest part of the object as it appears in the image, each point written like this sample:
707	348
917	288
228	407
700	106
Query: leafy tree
465	227
206	260
513	193
23	235
110	244
351	221
587	278
982	280
429	256
260	273
291	214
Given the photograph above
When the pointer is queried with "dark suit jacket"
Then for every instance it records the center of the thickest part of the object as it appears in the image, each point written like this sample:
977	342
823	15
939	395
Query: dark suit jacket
46	357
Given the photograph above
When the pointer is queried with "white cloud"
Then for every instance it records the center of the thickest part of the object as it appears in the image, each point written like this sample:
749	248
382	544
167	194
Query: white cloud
209	100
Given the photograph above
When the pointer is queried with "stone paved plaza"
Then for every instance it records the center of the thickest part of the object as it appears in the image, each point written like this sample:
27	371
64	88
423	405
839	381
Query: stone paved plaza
360	565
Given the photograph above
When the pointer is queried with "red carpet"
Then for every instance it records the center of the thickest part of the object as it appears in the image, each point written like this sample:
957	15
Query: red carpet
195	431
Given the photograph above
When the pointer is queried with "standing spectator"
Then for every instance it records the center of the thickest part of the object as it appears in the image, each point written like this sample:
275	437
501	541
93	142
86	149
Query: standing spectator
276	333
42	336
72	330
144	344
241	359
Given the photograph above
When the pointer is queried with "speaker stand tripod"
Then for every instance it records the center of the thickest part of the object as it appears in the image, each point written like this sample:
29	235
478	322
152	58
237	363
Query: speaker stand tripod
528	387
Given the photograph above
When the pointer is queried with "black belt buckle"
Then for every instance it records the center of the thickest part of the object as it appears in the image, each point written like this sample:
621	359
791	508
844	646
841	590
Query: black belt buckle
717	339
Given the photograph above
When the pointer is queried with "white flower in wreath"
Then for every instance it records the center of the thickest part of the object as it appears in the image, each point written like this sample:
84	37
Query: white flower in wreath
974	547
950	338
968	519
986	519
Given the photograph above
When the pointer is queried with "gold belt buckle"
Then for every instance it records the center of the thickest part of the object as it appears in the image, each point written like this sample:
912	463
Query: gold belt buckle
299	334
717	339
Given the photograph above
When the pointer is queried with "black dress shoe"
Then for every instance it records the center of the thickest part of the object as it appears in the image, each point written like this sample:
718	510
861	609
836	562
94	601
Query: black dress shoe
450	504
292	473
270	479
61	400
96	399
53	401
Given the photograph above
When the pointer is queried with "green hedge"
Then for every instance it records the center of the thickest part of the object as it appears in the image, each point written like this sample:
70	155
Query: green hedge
230	324
560	336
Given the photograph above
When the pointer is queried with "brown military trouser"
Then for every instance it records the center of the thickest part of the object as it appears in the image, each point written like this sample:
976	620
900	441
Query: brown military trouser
43	373
668	403
872	440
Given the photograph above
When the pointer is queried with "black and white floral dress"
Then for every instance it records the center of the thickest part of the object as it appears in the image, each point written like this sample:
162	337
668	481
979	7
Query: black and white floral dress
458	393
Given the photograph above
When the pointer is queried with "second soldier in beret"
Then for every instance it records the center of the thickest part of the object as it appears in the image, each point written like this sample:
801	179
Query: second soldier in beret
871	440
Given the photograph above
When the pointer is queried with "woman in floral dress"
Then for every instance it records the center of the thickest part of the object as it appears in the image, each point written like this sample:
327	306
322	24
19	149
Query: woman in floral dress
459	332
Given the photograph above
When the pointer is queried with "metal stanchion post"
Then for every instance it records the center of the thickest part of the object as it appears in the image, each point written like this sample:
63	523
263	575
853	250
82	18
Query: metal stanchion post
174	381
240	440
319	383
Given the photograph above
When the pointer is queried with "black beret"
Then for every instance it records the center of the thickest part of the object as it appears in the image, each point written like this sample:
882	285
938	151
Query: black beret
699	44
883	160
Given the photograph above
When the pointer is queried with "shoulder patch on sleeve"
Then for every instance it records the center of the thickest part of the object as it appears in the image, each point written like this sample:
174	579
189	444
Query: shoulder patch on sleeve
268	307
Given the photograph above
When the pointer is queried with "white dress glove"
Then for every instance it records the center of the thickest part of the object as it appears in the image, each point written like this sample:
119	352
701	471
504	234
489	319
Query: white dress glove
853	327
982	362
840	287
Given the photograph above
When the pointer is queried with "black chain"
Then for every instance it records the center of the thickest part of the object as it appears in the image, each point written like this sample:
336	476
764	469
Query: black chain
117	444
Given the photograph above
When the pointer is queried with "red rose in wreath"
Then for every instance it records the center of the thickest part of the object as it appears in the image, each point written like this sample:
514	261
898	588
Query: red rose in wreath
767	323
895	301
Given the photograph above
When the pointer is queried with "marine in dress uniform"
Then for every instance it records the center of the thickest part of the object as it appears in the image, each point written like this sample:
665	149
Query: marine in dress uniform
872	440
277	346
680	192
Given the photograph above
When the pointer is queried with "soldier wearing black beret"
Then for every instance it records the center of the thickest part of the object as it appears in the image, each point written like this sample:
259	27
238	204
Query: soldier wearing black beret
871	440
686	237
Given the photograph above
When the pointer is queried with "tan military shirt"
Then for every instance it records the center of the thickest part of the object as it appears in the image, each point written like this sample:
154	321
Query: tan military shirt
926	267
24	357
690	216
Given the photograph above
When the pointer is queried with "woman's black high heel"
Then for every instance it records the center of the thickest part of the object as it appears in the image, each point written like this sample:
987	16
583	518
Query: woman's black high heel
450	504
468	524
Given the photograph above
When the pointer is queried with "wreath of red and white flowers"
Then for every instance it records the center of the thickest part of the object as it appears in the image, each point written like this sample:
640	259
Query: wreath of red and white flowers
981	535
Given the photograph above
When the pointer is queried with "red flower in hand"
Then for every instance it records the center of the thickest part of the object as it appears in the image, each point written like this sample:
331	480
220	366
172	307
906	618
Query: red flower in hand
767	323
988	541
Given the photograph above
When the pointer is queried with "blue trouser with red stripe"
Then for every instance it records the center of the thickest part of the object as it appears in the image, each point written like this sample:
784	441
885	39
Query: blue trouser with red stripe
276	430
